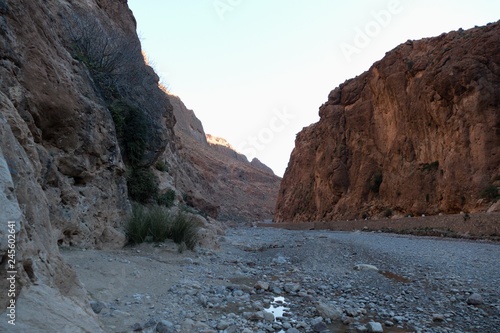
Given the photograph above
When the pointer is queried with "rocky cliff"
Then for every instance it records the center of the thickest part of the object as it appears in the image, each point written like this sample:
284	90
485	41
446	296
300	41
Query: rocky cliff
62	178
225	184
418	133
82	119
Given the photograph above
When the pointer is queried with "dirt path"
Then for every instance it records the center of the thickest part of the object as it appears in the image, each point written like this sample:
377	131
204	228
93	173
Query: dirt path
321	279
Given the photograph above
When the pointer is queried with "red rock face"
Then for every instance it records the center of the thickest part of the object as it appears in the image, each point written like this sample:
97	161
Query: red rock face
418	133
218	180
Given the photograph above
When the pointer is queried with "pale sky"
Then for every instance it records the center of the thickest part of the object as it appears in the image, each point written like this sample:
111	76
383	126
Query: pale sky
255	72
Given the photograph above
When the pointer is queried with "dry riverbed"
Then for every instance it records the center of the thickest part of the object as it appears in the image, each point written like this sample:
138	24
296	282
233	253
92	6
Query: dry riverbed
275	280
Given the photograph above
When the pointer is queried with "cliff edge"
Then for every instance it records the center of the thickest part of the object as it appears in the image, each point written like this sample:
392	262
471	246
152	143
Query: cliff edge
418	133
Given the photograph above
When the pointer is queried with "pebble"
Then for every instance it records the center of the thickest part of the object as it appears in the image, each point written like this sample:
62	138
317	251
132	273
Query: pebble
97	306
317	287
475	299
365	267
375	327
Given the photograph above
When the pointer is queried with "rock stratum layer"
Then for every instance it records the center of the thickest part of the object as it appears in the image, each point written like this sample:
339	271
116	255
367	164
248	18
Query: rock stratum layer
418	133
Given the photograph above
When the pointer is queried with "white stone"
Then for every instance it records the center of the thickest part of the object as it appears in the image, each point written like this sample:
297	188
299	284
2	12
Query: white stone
375	327
365	267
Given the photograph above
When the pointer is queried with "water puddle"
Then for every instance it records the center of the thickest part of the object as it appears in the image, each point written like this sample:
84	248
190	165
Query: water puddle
278	308
395	277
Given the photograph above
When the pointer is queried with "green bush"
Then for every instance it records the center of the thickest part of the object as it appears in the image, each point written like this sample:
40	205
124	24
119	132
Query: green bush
148	224
131	128
166	199
156	224
136	228
161	166
142	185
184	231
135	135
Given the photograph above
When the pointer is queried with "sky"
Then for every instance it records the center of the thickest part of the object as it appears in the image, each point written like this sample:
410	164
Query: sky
255	72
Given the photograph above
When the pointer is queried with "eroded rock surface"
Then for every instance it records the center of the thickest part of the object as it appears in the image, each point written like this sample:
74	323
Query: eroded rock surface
418	133
225	185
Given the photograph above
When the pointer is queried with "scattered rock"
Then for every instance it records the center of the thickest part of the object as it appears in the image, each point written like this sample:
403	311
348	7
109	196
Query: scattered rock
437	317
165	326
291	287
260	285
329	311
365	267
320	327
97	306
292	330
280	260
361	328
475	299
375	327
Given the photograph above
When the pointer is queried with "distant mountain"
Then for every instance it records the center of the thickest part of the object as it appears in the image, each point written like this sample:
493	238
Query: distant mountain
237	189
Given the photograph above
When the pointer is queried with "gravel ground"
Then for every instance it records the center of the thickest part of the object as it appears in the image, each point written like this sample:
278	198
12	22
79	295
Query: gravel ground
313	281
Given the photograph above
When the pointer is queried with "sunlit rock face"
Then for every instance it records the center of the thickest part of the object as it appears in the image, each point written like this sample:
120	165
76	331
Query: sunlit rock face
418	133
225	185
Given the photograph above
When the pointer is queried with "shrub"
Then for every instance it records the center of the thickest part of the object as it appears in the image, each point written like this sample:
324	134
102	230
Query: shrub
375	181
156	224
148	224
166	199
161	166
142	185
184	230
135	134
490	192
136	228
132	130
387	212
107	53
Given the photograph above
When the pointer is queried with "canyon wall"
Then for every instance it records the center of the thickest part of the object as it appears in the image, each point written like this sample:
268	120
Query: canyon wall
418	133
80	112
225	184
62	175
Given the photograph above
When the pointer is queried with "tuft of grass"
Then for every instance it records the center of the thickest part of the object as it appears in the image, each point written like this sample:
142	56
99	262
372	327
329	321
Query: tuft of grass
157	224
148	224
137	227
184	230
166	199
